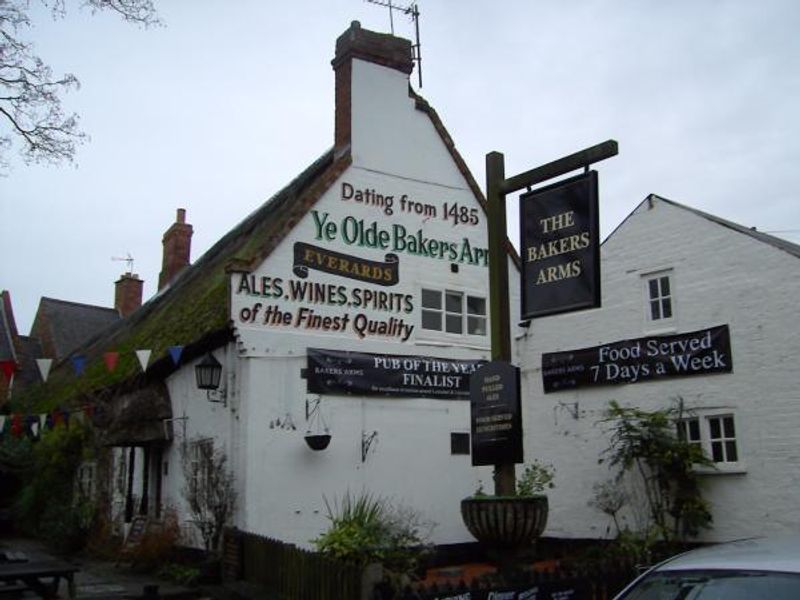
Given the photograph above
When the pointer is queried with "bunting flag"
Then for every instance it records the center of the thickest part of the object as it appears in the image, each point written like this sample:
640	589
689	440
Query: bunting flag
111	359
78	364
8	367
32	426
175	352
61	417
144	358
44	365
42	421
17	426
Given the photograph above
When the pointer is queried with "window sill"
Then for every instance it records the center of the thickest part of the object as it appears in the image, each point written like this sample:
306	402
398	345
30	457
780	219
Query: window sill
653	328
723	469
449	340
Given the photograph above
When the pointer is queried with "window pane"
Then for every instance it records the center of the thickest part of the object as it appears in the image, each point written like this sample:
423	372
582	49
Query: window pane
730	451
476	306
454	324
716	452
431	299
665	286
655	313
727	423
476	325
453	302
653	283
694	429
431	320
666	308
715	428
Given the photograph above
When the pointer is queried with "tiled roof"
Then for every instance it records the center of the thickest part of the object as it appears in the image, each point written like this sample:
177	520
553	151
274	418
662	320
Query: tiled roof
7	351
63	326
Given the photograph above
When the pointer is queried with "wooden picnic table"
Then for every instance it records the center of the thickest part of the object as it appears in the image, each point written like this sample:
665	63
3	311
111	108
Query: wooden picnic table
33	576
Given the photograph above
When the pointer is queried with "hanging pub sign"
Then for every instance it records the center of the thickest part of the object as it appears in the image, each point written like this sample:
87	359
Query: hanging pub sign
560	249
496	417
643	359
343	372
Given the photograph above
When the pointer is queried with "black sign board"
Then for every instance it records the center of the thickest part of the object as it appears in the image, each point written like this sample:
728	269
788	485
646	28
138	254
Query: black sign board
342	372
496	418
560	249
643	359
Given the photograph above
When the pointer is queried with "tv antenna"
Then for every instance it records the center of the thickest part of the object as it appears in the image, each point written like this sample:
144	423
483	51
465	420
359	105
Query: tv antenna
412	10
127	259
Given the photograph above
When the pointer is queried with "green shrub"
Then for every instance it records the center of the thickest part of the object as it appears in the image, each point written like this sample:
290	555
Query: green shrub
368	529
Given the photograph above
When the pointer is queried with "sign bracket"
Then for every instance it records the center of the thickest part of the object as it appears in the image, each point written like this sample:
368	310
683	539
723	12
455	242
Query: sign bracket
497	186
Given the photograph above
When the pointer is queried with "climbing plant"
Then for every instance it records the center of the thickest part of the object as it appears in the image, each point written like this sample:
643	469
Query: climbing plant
645	445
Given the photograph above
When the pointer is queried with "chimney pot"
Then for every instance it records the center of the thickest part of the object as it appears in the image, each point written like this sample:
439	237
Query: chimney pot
128	294
177	242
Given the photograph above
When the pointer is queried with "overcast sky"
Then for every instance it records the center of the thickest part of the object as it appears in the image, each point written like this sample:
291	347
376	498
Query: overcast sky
221	107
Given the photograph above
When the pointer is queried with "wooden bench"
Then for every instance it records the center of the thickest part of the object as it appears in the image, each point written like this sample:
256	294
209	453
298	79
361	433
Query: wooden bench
33	576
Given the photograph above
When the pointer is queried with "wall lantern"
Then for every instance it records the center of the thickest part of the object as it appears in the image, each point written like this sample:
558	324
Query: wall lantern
208	373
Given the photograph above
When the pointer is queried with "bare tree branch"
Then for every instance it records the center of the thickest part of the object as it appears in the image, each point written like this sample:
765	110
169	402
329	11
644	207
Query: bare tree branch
30	95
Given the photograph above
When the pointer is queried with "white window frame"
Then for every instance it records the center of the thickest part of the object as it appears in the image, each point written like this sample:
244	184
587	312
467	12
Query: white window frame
467	318
662	298
701	435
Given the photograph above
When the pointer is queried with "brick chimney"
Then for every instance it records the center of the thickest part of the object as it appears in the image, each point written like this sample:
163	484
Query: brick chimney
177	243
379	48
128	294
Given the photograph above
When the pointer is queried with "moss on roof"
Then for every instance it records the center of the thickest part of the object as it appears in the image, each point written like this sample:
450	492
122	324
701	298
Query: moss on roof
193	311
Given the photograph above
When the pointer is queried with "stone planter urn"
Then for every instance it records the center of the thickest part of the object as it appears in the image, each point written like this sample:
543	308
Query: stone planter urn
505	522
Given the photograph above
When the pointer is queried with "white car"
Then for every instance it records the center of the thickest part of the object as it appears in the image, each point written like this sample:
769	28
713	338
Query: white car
754	569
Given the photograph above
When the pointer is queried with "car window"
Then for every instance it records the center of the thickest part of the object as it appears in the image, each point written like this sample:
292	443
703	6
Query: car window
716	585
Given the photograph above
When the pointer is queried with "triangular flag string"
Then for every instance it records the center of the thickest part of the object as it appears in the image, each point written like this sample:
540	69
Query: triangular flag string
175	352
8	367
144	358
44	365
78	364
111	359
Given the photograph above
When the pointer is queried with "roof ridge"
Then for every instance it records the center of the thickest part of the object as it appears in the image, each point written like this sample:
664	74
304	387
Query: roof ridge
776	242
73	303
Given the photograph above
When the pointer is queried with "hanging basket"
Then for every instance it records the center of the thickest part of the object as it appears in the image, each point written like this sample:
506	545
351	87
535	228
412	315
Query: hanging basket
318	441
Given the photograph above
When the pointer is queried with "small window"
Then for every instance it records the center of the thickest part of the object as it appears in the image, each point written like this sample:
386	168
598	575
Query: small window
453	312
659	295
715	434
722	436
459	443
689	431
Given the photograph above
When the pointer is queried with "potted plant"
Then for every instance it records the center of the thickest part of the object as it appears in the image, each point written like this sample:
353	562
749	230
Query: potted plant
509	522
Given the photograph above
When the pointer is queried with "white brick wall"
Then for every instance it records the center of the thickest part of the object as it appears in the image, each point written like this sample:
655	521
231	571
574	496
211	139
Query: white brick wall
720	276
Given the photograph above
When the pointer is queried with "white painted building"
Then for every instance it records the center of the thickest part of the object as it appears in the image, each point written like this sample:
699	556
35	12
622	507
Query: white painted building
378	249
668	271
